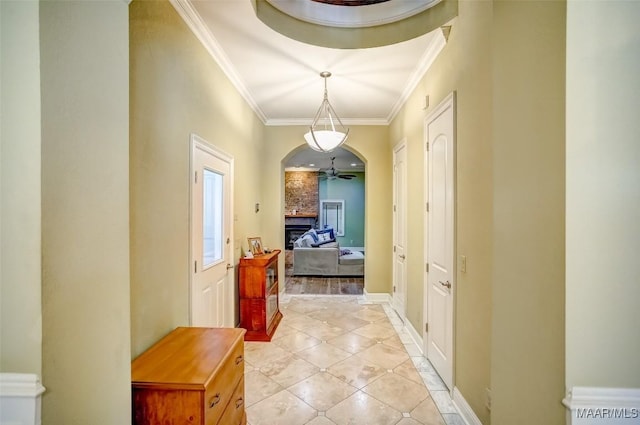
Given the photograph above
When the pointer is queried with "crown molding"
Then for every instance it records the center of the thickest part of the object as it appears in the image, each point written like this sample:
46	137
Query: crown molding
429	56
195	22
307	121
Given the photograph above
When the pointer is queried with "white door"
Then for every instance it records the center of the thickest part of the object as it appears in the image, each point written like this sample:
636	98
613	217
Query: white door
212	293
400	229
440	249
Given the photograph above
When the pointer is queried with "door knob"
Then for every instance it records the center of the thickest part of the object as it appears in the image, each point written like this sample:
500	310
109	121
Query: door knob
402	256
229	266
446	285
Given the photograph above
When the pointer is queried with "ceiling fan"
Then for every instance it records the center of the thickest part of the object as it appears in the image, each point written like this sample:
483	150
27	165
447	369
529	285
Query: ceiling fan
332	174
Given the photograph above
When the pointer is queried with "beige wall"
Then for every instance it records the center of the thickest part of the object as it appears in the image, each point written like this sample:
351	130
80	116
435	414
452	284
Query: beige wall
528	60
371	144
504	60
464	67
603	195
20	283
178	89
85	204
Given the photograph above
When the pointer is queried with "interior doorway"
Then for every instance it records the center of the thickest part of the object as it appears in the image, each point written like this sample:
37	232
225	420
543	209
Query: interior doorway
335	181
399	295
440	247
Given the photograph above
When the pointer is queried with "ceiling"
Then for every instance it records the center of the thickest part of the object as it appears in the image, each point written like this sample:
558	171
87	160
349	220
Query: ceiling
311	160
279	76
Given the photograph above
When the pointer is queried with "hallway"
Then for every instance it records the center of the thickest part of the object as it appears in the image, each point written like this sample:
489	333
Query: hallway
341	360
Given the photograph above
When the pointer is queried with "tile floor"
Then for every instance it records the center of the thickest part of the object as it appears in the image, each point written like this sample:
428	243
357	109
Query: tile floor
338	360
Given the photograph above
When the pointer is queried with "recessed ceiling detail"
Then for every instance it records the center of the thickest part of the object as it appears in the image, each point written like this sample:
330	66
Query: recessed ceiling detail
278	76
352	13
354	24
350	2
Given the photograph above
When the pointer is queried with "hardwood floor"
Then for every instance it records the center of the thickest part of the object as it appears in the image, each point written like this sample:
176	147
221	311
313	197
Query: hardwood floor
319	285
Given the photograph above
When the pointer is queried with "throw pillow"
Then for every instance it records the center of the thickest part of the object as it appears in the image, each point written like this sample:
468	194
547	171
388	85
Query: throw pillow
326	231
313	234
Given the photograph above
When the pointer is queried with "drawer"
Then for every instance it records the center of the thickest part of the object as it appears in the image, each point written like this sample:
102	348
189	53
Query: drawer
234	413
221	388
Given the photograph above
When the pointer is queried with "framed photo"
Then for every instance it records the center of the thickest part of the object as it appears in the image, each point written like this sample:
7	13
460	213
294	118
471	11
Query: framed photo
255	245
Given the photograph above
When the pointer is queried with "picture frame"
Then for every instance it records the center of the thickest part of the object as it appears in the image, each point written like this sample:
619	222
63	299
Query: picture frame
255	245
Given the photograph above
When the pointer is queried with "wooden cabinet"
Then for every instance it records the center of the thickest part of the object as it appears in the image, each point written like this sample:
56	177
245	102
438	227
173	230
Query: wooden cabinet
259	310
191	376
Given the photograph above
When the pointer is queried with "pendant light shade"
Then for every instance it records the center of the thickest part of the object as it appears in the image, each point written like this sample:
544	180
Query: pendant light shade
327	131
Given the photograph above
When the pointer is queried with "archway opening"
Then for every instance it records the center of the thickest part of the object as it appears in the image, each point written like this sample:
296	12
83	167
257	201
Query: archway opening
324	221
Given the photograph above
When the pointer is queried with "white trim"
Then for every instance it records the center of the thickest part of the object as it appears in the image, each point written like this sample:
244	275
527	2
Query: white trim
428	58
599	400
376	297
195	22
20	385
20	399
415	336
466	412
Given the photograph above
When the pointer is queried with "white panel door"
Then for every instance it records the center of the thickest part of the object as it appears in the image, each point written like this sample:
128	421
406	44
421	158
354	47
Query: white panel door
400	229
212	294
440	250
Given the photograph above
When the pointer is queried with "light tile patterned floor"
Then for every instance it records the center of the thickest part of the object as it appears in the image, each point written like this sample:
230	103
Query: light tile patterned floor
337	360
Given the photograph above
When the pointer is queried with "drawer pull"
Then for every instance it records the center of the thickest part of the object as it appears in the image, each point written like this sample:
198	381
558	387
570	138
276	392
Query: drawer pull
239	402
239	359
215	400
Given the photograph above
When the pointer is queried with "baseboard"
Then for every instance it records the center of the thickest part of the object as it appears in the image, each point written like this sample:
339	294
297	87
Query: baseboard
20	399
599	406
415	336
466	412
376	297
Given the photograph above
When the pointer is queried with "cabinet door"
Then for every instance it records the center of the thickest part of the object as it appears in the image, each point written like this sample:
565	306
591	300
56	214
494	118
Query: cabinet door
271	276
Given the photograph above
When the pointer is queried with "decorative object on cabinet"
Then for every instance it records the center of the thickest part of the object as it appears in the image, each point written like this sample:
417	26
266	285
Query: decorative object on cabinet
258	288
192	375
255	246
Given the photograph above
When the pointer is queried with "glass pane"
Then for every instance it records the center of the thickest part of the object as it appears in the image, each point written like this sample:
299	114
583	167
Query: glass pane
333	215
212	215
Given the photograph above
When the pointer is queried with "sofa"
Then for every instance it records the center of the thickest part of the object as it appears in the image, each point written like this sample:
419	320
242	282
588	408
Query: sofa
315	254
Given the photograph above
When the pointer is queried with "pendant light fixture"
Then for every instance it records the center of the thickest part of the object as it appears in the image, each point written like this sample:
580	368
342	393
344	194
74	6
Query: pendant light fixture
327	131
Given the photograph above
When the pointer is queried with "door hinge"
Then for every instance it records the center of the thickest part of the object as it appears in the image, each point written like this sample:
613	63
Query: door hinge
426	267
195	266
394	208
426	328
196	177
427	147
394	248
427	207
394	289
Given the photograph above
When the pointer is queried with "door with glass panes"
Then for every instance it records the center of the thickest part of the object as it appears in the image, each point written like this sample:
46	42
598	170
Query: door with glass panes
212	291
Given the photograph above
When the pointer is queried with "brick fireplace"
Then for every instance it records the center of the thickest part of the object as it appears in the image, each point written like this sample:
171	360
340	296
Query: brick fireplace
300	203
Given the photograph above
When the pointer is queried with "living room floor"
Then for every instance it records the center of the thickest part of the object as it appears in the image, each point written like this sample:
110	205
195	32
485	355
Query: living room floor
337	360
344	285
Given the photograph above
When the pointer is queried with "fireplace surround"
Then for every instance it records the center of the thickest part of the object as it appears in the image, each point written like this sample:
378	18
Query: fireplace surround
295	226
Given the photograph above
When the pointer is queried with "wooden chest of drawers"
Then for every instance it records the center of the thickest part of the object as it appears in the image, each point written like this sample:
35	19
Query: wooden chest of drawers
191	376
